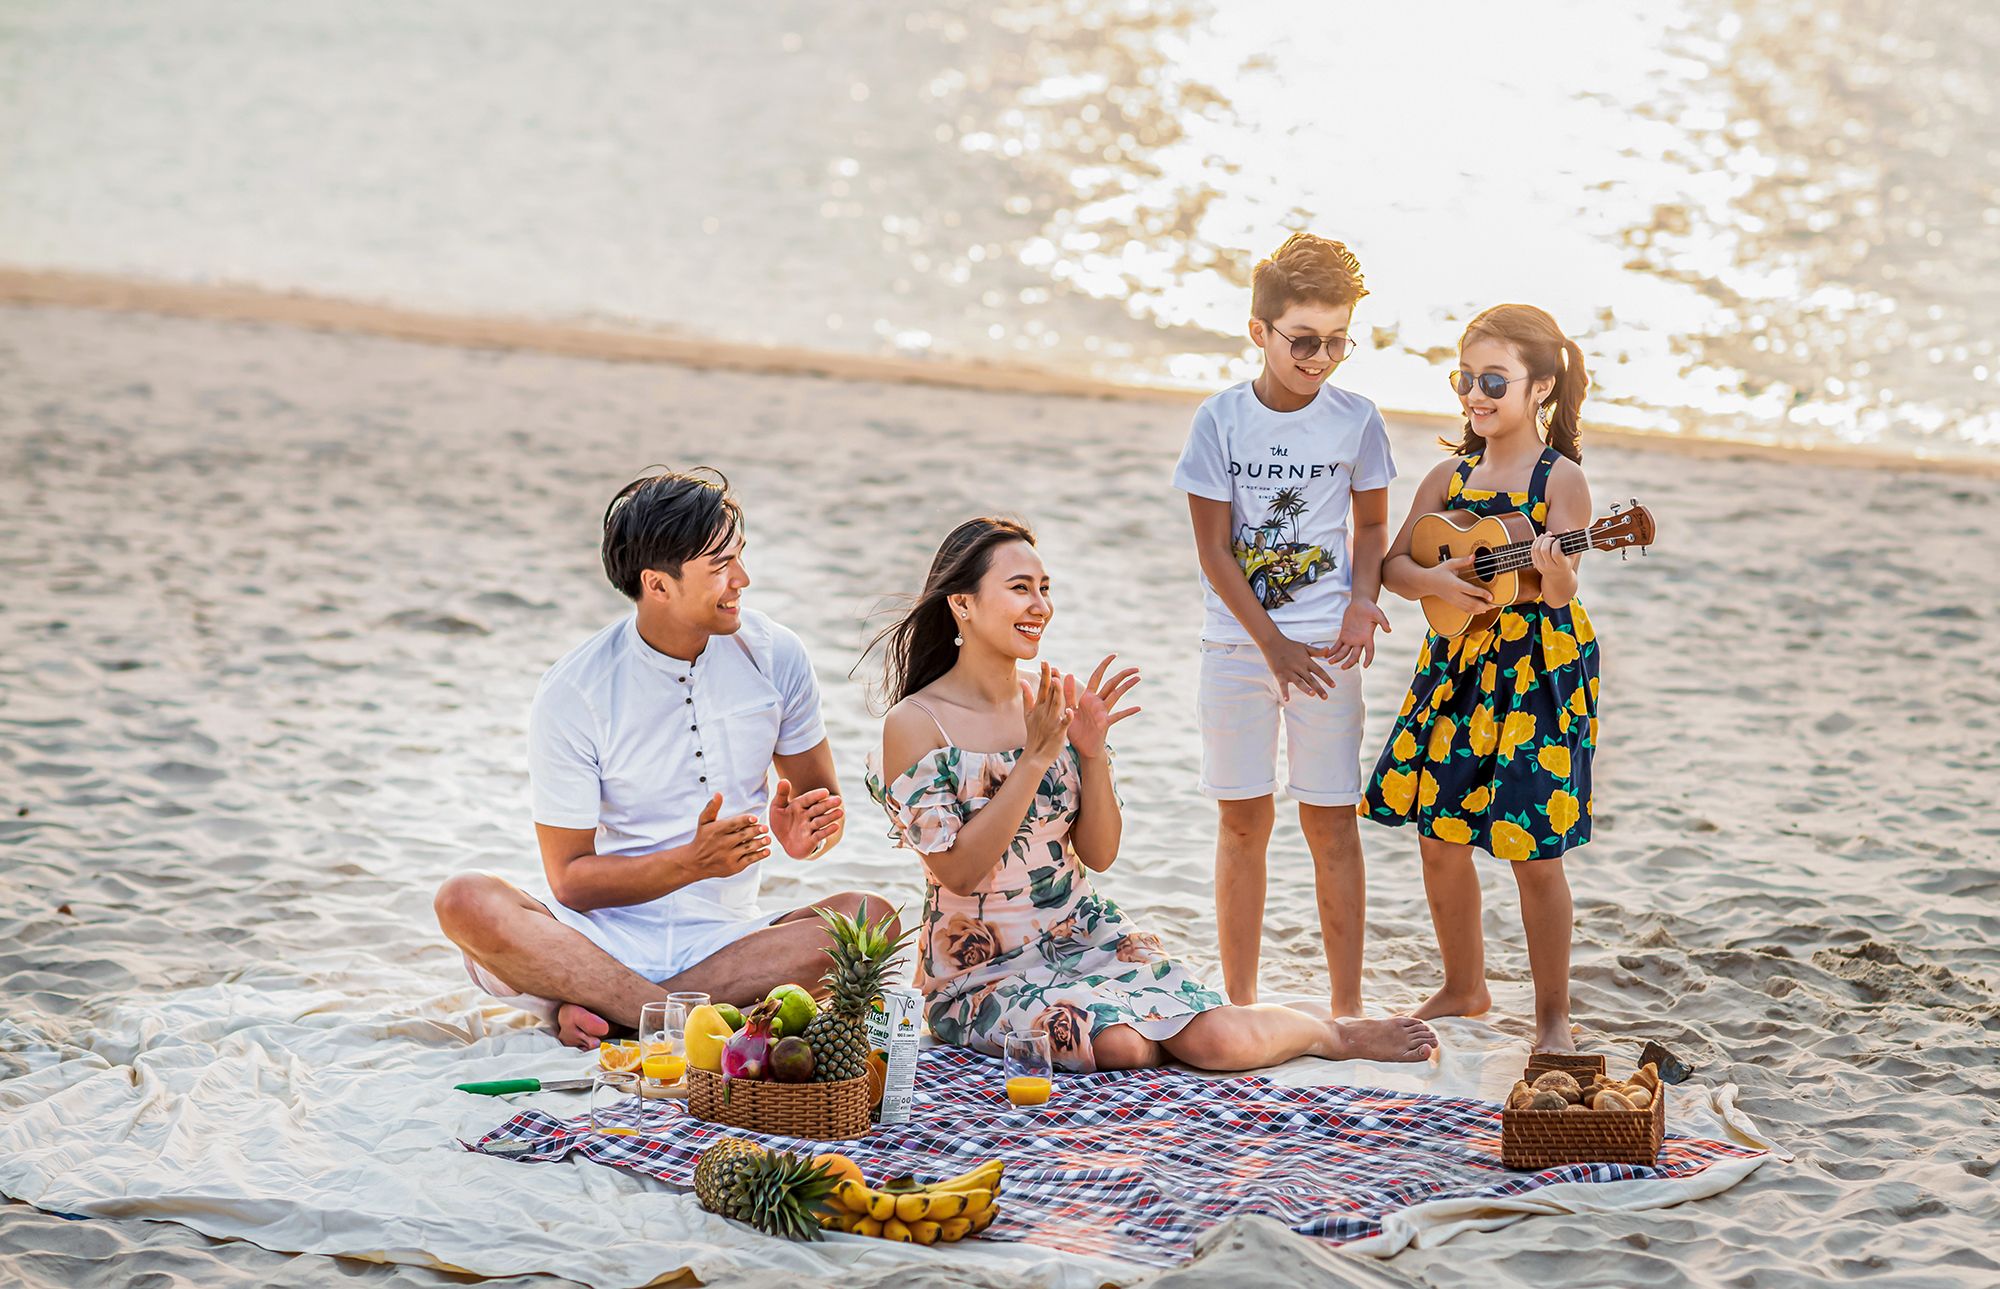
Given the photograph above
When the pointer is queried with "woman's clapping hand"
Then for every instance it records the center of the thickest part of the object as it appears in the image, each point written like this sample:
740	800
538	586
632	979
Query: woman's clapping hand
1096	706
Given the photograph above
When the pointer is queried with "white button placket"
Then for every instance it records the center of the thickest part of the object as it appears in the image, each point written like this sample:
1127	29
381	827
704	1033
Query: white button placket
694	721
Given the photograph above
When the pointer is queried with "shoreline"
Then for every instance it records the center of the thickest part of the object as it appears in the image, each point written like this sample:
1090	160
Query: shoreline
58	288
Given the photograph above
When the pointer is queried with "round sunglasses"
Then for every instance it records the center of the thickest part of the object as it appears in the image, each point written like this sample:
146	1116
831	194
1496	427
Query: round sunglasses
1306	347
1491	383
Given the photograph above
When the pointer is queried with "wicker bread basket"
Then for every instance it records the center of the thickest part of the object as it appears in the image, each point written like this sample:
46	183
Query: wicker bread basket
818	1111
1550	1138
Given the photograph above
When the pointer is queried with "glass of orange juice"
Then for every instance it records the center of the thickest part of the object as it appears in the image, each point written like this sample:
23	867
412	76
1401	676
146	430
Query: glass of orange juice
615	1106
1028	1069
663	1045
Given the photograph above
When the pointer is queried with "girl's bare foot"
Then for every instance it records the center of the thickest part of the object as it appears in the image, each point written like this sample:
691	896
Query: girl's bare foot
1559	1037
1456	1002
1396	1038
579	1027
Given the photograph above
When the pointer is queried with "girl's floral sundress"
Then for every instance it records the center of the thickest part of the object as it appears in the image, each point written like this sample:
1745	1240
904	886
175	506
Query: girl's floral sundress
1034	947
1494	740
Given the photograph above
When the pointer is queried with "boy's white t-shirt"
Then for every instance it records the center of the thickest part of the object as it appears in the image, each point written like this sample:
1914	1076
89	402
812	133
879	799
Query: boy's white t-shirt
1290	480
631	742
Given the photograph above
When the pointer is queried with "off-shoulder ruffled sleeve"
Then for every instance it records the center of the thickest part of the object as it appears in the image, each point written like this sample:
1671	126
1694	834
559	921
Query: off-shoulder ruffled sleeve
929	802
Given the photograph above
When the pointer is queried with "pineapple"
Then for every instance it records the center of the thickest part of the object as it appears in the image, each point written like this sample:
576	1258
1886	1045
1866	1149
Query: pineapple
861	954
779	1194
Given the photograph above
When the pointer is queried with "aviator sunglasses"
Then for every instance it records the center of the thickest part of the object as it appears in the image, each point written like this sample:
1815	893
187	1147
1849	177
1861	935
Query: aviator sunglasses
1491	383
1305	347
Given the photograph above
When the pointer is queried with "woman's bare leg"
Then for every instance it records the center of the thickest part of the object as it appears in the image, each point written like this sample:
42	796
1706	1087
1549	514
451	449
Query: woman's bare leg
1120	1047
1250	1038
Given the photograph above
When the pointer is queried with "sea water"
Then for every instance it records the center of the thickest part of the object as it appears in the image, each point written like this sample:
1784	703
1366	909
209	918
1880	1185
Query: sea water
1770	221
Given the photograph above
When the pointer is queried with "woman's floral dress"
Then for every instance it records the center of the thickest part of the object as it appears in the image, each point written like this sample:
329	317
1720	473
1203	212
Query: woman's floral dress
1493	744
1034	948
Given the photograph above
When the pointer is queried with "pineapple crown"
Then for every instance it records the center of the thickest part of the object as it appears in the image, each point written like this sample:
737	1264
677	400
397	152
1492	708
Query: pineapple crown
861	951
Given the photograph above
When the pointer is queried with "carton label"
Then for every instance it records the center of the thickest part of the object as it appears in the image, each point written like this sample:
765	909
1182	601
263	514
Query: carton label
895	1024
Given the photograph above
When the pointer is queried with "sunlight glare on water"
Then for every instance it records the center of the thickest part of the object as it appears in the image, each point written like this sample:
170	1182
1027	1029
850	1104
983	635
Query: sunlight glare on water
1775	222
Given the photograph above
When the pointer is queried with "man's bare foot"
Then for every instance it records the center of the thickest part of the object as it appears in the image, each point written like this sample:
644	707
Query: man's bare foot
1450	1002
1396	1038
580	1027
1560	1037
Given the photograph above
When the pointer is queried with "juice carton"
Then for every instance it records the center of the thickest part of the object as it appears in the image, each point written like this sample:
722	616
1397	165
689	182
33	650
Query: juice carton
895	1023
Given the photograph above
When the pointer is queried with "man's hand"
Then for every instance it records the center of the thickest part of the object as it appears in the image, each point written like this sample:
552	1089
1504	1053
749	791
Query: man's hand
1356	642
1297	666
725	847
806	822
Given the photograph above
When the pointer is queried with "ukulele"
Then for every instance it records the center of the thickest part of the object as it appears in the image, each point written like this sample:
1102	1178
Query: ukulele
1502	561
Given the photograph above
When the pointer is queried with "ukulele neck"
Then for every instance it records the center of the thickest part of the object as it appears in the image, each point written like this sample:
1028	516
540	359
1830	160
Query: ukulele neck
1519	555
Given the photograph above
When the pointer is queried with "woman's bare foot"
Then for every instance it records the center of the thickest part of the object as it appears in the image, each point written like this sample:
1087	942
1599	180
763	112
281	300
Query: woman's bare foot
579	1027
1455	1002
1396	1038
1558	1037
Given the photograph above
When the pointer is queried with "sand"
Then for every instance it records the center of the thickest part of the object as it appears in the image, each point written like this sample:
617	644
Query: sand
276	601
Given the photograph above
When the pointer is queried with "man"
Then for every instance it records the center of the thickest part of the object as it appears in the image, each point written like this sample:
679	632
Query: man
650	747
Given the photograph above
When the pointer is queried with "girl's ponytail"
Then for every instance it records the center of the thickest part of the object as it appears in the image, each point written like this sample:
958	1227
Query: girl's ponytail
1562	409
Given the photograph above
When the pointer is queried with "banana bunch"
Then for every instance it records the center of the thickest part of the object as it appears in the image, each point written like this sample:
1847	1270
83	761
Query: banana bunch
912	1212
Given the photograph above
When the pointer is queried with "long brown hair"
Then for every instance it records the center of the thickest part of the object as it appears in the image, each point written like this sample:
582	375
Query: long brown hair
1546	352
918	648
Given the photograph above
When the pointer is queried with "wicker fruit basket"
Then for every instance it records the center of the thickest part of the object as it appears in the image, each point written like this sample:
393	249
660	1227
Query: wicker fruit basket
817	1111
1535	1139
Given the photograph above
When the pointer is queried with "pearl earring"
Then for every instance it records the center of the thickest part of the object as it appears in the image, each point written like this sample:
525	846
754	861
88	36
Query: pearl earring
958	638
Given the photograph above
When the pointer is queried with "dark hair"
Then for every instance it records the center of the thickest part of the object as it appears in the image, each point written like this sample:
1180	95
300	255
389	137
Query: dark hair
1545	351
661	521
1306	268
917	649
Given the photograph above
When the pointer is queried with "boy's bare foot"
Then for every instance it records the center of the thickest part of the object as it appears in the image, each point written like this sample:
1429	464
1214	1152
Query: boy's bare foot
579	1027
1450	1002
1396	1038
1555	1038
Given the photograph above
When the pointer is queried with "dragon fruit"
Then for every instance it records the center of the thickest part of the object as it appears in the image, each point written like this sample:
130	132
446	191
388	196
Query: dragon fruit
747	1053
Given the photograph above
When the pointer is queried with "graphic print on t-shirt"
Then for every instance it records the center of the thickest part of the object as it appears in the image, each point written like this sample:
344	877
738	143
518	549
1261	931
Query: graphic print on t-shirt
1273	557
1290	479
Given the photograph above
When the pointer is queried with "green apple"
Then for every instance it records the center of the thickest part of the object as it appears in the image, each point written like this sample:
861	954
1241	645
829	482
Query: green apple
796	1010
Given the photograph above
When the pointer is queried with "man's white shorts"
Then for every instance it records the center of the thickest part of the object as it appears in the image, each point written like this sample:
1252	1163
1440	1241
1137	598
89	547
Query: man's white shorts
1240	715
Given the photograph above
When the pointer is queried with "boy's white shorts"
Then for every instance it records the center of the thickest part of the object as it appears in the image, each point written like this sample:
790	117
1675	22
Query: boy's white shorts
1240	714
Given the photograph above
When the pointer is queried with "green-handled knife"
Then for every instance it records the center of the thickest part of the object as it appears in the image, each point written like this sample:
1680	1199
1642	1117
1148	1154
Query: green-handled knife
502	1087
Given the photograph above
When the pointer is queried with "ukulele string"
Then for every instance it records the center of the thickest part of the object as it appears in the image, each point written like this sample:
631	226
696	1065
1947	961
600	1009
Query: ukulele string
1511	558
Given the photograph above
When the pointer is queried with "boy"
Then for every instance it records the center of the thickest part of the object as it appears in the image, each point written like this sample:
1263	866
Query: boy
1287	482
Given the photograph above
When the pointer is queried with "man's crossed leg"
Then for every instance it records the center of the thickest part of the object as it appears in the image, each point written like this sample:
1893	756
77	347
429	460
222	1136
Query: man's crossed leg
519	944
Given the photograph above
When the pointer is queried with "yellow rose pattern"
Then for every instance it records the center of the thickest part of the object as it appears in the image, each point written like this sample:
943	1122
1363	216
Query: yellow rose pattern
1492	746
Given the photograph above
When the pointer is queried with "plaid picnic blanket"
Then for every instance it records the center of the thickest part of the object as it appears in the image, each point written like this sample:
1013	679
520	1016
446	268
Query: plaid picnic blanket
1135	1164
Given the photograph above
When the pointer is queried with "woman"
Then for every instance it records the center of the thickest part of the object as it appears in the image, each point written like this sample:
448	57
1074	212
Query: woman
1003	787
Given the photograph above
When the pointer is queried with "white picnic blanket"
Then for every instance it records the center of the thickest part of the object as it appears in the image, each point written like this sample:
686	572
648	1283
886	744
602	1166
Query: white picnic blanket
309	1108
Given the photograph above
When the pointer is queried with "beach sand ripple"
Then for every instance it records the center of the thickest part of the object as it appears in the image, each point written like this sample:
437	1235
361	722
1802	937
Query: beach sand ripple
276	603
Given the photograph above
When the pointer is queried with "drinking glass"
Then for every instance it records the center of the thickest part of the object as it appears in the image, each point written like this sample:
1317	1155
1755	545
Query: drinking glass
662	1044
1028	1069
689	999
615	1107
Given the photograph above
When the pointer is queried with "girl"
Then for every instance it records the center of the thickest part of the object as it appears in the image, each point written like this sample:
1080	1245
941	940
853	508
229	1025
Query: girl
1003	788
1493	745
